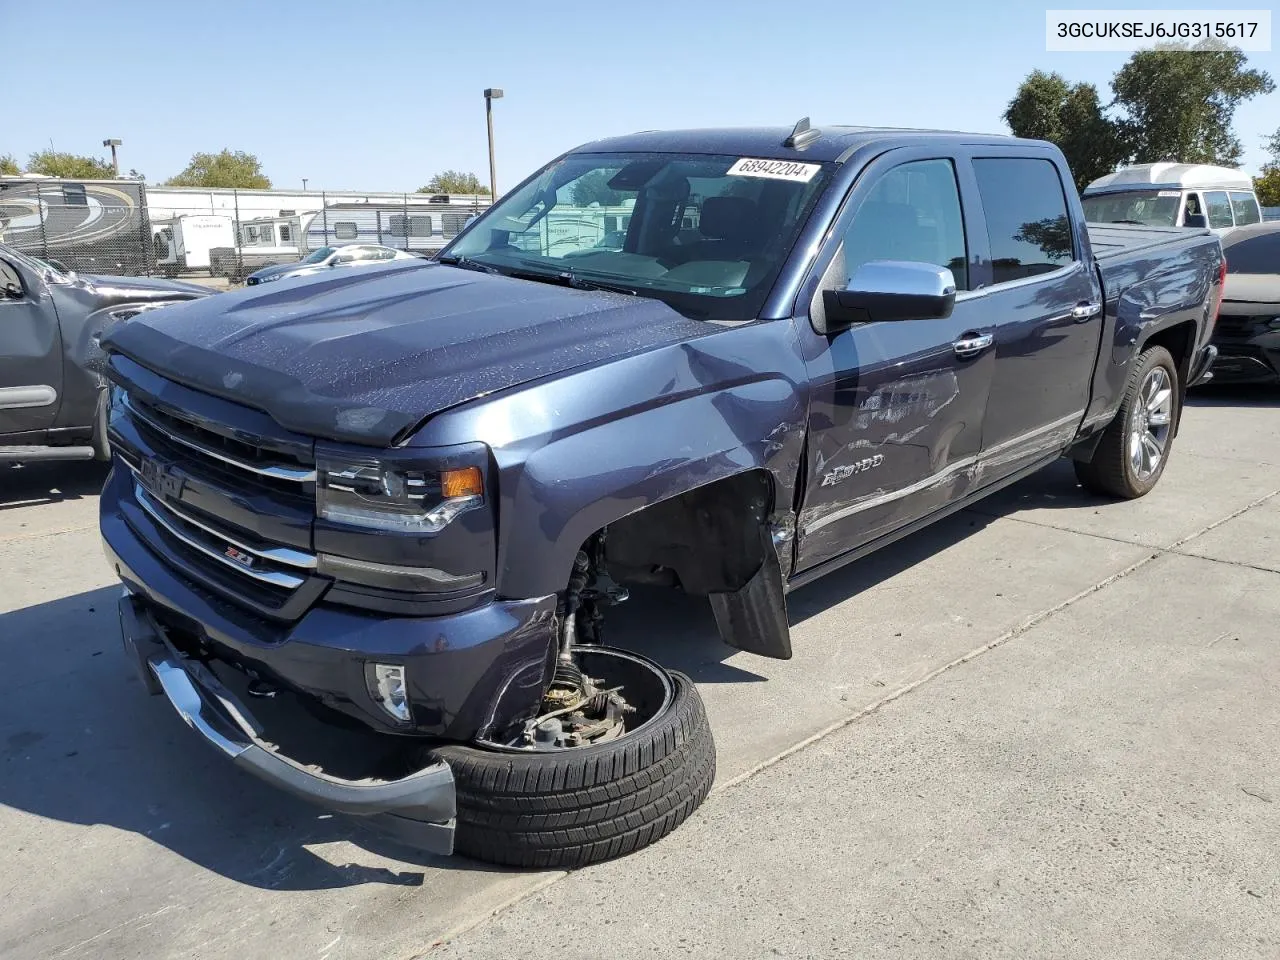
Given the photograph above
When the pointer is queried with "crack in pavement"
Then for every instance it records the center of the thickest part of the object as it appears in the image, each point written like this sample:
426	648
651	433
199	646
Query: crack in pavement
1012	634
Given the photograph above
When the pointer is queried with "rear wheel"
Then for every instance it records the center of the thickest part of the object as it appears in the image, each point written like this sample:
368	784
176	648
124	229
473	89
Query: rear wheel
1134	448
605	771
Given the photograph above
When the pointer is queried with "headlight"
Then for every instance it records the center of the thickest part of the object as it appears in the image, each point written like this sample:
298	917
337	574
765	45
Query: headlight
403	501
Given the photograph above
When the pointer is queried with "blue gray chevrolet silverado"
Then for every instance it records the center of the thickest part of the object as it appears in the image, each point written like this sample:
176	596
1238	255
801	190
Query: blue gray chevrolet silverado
403	497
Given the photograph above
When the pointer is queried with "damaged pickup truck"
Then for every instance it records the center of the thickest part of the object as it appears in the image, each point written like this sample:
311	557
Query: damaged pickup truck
404	498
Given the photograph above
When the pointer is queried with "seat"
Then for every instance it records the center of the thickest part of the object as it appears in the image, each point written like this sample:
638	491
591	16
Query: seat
731	230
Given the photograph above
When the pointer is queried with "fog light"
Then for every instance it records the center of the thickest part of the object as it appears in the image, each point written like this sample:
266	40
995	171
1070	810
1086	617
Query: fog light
387	686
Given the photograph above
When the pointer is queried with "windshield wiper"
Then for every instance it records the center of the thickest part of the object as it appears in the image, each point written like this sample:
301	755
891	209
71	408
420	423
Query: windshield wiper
567	278
466	263
1136	223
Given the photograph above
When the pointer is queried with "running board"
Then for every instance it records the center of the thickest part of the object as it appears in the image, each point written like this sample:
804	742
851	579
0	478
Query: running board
32	454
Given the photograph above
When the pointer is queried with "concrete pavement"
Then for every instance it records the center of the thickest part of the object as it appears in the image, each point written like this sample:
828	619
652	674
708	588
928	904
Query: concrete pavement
1042	727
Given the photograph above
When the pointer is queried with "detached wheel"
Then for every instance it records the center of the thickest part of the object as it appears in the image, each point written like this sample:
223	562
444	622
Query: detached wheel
595	782
1134	449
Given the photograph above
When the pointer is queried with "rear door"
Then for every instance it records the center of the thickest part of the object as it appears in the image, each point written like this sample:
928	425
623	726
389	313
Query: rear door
30	351
1040	293
896	409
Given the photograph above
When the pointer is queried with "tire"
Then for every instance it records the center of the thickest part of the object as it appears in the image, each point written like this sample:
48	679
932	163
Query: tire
1116	470
571	807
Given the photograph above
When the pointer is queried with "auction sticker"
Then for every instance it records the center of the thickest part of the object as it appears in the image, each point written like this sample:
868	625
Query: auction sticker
774	169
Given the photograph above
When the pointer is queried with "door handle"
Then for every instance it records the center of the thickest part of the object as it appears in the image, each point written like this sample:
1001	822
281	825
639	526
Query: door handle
1083	311
972	346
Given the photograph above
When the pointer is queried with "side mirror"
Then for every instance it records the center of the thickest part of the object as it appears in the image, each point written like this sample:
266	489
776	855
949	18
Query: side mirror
12	291
885	290
1195	220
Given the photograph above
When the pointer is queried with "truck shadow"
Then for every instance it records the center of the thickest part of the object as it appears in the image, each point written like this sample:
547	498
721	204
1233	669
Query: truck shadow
81	743
50	483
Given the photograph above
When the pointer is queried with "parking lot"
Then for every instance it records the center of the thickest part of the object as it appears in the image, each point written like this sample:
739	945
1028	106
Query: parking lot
1043	727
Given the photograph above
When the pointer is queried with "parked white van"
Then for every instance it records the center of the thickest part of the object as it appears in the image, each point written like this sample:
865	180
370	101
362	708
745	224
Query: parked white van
1174	194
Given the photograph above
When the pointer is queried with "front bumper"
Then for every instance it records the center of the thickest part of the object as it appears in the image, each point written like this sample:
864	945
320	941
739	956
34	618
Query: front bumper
469	673
419	809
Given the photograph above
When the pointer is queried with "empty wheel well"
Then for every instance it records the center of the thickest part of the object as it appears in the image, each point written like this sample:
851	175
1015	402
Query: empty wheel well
704	541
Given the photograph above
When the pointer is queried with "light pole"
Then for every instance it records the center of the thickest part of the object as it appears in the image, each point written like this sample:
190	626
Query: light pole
304	183
115	164
491	94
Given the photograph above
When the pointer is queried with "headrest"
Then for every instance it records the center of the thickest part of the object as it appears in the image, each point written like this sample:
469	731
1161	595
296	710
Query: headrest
725	218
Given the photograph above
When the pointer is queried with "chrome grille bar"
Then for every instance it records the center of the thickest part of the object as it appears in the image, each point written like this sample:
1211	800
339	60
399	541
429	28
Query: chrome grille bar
297	474
276	578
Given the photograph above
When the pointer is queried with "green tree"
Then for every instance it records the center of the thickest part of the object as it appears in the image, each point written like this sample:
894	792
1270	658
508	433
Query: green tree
8	166
225	169
594	187
1046	107
1268	185
1179	102
454	181
51	163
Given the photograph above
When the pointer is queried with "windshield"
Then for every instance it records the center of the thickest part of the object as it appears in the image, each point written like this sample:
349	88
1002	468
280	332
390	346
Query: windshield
706	234
317	256
1153	208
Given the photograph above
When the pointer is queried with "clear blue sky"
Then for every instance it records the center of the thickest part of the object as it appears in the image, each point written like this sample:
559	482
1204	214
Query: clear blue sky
380	94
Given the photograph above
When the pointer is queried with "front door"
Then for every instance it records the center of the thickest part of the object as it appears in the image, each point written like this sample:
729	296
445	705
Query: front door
30	351
896	407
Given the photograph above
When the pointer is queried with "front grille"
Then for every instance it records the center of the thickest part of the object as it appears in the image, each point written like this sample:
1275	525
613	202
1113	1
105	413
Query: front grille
222	505
279	567
249	456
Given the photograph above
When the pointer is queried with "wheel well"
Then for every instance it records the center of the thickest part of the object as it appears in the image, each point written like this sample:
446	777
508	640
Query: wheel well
1179	340
704	541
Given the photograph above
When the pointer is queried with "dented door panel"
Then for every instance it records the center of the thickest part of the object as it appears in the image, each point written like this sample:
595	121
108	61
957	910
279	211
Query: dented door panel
895	426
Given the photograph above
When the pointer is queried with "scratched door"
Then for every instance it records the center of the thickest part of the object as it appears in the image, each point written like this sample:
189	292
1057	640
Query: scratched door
896	408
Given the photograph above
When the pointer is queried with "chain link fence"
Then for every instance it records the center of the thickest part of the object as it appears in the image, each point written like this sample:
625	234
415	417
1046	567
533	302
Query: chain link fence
121	228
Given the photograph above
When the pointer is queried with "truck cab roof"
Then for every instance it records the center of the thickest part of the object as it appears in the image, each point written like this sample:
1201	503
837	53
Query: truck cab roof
831	143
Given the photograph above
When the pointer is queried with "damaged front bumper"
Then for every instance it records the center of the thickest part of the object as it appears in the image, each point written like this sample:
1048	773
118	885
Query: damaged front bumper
418	809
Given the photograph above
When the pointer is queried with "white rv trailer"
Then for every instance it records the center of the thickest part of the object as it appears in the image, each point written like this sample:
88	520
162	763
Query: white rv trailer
1166	194
260	242
417	222
182	243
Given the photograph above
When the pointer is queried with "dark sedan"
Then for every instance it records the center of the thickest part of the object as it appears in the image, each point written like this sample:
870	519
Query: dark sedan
1248	330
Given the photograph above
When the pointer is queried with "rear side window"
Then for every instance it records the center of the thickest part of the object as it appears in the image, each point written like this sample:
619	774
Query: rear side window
1259	254
912	213
1026	213
1219	208
1245	208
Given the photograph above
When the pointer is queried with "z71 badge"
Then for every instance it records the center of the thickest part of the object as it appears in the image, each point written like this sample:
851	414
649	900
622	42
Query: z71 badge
848	470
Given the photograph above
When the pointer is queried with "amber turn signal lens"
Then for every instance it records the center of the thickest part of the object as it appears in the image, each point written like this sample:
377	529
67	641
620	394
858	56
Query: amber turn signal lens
465	482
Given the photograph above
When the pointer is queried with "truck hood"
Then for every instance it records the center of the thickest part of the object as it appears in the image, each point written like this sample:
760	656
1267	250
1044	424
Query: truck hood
364	356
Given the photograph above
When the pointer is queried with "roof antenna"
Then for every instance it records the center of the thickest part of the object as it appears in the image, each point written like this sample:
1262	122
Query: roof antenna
801	135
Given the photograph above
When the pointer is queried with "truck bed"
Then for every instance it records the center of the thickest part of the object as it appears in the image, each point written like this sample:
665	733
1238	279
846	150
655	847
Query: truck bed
1112	239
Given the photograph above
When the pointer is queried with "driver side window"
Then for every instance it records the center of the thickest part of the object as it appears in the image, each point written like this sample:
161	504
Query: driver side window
912	213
